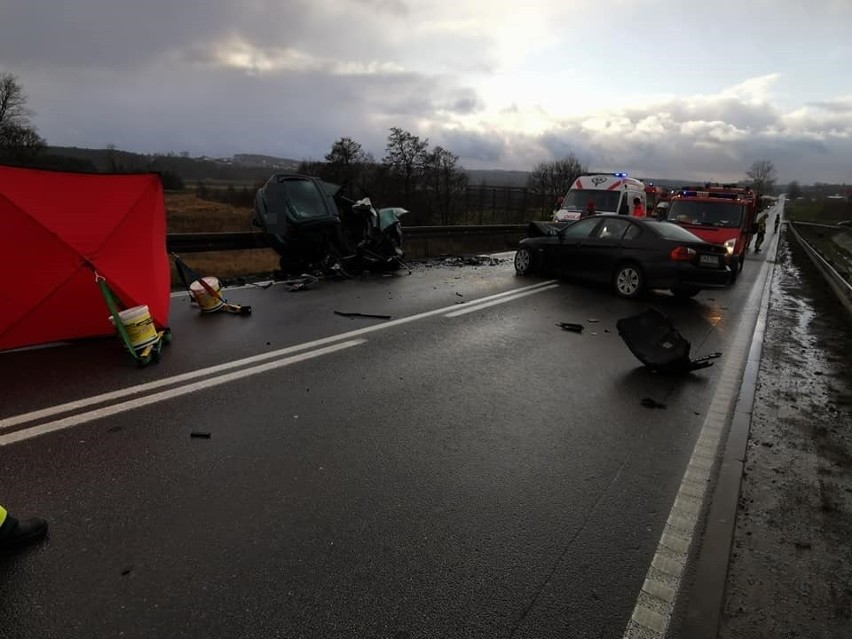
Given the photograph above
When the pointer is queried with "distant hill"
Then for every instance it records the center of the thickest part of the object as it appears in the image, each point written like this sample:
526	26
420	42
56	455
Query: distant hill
254	168
266	161
243	168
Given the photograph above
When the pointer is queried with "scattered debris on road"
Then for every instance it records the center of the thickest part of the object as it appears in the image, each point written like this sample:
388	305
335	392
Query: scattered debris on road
370	315
471	260
650	402
301	283
199	435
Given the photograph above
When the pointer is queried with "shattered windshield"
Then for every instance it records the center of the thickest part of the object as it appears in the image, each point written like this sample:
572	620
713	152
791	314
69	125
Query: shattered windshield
721	214
305	199
604	201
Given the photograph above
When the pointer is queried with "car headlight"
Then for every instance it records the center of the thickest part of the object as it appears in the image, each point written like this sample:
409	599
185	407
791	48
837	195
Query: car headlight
730	245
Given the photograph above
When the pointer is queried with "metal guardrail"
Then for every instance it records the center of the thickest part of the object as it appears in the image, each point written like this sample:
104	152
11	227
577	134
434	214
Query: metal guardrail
839	285
202	242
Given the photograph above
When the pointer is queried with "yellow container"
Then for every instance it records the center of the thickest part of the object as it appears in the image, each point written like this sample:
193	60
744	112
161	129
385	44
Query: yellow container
139	326
206	302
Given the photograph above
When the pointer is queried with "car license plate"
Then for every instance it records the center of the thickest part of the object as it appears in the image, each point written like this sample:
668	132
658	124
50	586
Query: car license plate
709	260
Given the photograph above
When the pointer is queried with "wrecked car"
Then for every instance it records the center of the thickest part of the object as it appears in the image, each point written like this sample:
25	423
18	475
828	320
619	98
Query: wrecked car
631	254
313	226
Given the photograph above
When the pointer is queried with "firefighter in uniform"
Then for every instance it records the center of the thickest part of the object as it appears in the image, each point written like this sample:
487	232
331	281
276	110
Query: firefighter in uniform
15	533
761	233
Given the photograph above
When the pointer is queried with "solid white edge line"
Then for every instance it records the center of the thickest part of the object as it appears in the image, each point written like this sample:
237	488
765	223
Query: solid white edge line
114	409
655	604
478	307
51	411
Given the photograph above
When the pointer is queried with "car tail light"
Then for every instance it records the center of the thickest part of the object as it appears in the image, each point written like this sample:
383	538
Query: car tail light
683	254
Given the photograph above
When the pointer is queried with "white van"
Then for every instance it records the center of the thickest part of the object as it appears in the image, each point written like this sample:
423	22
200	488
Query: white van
600	193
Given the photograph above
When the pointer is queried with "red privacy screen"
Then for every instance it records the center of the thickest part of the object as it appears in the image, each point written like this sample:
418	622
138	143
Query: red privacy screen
56	231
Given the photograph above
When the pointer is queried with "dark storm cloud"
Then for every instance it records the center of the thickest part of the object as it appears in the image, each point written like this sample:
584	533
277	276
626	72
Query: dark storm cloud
474	148
839	105
99	33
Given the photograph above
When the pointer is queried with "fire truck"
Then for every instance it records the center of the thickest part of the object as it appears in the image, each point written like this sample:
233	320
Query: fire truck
723	214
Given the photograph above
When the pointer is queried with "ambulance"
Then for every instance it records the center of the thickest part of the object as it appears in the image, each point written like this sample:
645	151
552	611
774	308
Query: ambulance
600	193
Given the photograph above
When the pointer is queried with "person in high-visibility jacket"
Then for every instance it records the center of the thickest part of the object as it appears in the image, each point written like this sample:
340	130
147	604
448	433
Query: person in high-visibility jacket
761	233
15	533
638	209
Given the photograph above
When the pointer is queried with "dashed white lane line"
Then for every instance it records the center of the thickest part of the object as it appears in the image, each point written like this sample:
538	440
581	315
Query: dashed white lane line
147	400
52	411
655	604
479	306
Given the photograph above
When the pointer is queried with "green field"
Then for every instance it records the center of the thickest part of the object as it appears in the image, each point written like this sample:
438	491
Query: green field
820	211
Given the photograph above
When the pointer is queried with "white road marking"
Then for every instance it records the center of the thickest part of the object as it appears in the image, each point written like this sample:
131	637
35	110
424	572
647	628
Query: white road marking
51	411
479	306
655	604
147	400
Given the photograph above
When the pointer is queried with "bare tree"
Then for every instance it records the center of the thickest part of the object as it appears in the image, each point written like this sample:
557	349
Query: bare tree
344	152
762	174
18	137
794	191
348	163
553	179
446	183
406	158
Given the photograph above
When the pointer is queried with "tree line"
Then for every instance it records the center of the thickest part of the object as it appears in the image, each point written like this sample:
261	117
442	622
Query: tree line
430	182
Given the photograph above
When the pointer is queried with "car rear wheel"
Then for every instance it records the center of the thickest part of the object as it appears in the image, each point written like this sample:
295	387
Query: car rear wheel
685	292
524	261
629	280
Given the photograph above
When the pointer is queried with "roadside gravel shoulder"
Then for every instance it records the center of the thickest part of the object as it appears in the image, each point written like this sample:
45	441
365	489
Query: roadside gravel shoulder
790	573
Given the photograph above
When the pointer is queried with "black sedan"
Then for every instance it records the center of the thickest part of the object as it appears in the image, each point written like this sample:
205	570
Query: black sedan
632	254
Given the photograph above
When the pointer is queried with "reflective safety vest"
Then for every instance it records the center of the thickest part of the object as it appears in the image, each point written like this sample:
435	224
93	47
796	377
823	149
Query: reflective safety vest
3	514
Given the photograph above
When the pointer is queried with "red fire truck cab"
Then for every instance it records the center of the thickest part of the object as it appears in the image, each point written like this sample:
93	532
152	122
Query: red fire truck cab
720	214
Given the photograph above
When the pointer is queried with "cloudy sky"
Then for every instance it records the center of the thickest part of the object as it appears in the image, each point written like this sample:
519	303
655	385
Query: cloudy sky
659	88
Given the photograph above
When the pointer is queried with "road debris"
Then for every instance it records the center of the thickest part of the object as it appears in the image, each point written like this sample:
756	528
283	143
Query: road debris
370	315
472	260
654	340
199	435
650	402
301	283
241	281
569	326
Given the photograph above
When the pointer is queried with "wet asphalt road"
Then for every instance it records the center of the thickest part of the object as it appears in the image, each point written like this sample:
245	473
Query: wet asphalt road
484	475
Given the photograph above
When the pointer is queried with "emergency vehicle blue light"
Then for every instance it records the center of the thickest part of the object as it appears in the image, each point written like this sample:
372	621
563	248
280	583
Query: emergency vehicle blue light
620	174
